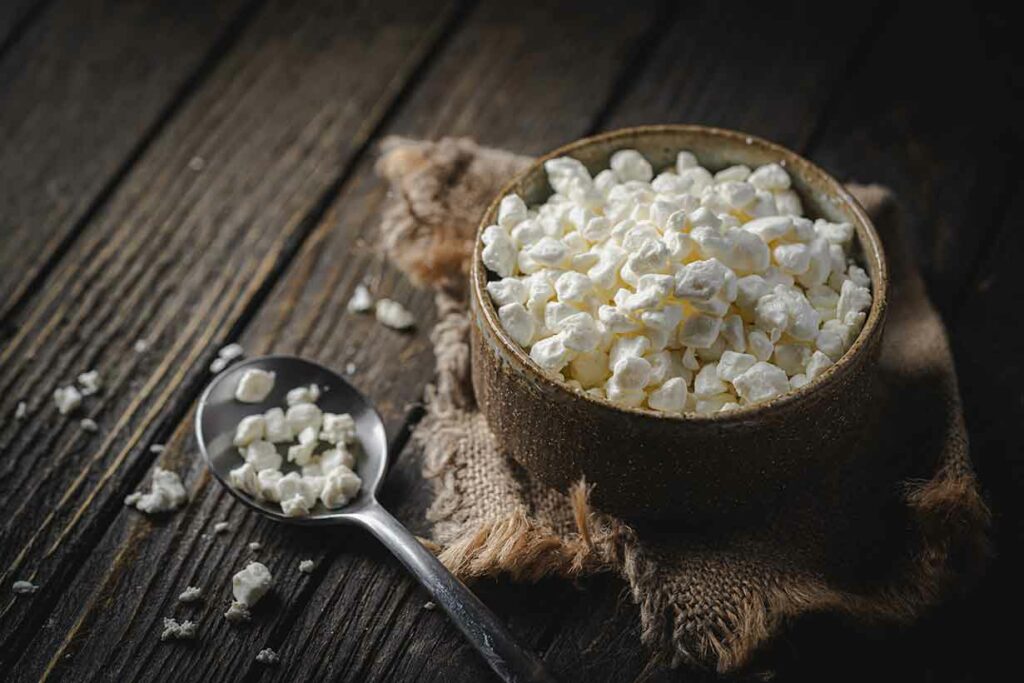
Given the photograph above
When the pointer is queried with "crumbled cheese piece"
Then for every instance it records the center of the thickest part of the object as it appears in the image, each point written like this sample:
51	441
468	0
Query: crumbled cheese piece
326	475
237	612
276	427
675	291
350	368
361	301
140	346
88	425
338	429
24	588
307	566
254	386
394	315
310	394
157	448
191	594
268	657
340	486
186	630
225	356
251	584
221	527
251	428
166	493
21	411
90	382
196	164
429	605
67	399
255	545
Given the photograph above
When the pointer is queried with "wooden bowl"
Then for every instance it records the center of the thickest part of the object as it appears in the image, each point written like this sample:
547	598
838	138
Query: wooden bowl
702	468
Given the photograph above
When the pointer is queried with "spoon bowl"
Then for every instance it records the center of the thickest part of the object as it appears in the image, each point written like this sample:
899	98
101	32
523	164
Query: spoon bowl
219	413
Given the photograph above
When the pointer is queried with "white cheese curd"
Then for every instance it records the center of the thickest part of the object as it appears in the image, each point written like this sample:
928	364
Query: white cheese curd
90	382
310	394
191	594
67	399
317	443
361	301
250	584
185	630
21	411
394	315
268	657
676	290
225	356
307	566
221	527
254	386
23	588
88	425
166	493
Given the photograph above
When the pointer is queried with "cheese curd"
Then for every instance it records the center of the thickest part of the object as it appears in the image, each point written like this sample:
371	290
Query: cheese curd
316	443
676	291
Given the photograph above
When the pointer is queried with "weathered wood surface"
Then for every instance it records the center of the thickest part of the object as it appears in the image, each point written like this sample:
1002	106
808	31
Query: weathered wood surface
190	253
85	89
284	107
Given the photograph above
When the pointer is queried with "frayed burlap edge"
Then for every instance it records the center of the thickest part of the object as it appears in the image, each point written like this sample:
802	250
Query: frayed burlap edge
947	511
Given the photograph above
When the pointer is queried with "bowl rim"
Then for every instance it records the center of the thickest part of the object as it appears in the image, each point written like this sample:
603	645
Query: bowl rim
865	231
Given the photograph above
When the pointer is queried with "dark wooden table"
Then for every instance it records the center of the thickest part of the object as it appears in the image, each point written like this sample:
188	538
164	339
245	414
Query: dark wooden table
197	172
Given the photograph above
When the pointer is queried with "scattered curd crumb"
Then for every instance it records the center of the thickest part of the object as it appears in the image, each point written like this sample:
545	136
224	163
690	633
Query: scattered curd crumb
254	386
140	346
307	566
196	163
191	594
429	605
394	315
225	356
24	587
361	301
255	545
157	448
237	612
88	425
221	527
185	630
350	368
90	382
67	399
21	410
251	584
166	493
268	657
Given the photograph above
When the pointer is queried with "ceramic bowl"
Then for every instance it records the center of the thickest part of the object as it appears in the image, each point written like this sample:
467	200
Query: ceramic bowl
702	468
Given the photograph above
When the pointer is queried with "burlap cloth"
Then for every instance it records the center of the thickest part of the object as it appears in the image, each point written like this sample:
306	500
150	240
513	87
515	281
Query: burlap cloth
707	597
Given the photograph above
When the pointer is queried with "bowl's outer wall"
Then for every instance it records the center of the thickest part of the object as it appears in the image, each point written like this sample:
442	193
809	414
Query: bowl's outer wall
700	469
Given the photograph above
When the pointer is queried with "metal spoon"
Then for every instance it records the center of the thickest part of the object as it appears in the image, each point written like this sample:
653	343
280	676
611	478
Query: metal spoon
219	413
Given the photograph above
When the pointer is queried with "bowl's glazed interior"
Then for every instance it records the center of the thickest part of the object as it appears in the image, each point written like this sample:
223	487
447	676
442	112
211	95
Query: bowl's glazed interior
701	468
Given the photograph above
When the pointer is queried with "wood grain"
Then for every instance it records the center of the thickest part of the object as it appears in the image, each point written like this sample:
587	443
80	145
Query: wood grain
896	123
84	90
359	611
178	257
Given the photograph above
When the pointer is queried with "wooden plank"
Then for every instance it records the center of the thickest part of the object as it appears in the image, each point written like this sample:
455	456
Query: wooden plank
768	73
83	90
178	257
904	123
358	617
15	16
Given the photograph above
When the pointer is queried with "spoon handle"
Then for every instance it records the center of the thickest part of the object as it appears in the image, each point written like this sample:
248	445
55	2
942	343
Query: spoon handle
480	626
